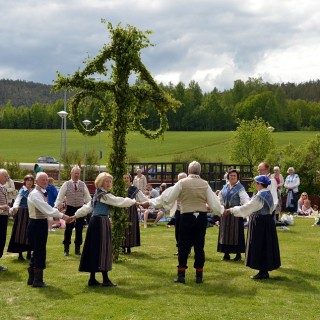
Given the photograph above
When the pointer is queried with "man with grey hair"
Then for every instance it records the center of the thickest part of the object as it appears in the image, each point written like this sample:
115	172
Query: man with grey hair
195	195
4	212
39	211
76	194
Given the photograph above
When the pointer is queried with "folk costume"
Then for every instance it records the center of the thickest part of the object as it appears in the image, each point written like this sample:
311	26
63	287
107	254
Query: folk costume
37	232
19	240
132	232
76	194
97	249
262	250
231	230
193	193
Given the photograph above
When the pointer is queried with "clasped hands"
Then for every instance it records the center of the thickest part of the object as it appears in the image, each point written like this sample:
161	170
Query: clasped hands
144	204
226	212
68	219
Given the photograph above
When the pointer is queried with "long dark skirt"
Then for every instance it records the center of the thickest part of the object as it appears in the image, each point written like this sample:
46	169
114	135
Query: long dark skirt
132	232
262	251
231	235
19	239
97	250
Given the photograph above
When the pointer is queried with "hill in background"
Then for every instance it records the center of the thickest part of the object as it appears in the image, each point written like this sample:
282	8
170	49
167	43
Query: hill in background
23	93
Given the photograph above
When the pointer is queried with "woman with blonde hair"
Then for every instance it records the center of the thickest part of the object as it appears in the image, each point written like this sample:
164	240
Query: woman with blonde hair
303	196
97	250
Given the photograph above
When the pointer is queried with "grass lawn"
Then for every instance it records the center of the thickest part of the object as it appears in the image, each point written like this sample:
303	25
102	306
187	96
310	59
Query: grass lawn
146	291
28	145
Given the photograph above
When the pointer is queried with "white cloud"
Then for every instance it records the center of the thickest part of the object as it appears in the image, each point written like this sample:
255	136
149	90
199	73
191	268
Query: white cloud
209	41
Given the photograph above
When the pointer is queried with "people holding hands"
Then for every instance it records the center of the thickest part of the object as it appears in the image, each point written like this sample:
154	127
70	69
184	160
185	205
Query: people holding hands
97	250
262	252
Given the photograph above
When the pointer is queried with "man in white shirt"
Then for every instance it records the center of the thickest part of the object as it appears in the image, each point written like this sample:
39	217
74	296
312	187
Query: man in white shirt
39	211
195	195
76	194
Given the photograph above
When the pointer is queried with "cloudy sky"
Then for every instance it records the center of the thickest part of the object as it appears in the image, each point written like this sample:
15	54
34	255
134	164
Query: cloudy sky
210	41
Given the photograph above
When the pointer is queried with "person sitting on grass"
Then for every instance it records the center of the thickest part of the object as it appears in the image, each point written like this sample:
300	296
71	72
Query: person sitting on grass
316	215
152	213
306	209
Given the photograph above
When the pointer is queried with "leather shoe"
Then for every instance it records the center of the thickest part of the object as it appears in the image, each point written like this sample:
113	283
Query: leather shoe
226	257
93	282
2	268
108	284
180	280
260	276
237	257
199	280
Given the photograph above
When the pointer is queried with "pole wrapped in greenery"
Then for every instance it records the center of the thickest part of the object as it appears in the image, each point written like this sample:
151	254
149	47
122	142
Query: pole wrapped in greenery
121	104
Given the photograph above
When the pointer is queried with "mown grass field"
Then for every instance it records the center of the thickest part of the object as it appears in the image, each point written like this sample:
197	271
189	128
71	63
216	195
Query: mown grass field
28	145
146	291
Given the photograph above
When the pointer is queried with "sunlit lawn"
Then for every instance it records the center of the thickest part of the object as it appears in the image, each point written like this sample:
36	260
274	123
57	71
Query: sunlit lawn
28	145
146	291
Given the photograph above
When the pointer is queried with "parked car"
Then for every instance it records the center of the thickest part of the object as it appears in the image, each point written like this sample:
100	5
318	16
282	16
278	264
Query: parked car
45	159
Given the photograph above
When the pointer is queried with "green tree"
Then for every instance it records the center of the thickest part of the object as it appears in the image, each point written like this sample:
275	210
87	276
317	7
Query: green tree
38	116
251	142
306	162
9	118
120	103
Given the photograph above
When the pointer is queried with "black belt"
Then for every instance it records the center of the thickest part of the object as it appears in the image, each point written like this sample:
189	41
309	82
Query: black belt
195	213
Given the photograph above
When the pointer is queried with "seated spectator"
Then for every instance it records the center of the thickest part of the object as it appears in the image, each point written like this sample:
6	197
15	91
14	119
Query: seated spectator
152	193
306	209
303	197
316	215
59	224
152	213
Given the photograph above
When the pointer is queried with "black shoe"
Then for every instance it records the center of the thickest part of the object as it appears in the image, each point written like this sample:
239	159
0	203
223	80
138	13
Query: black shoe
93	282
260	276
226	257
180	280
39	284
3	268
237	257
66	253
199	280
21	258
108	284
77	250
28	255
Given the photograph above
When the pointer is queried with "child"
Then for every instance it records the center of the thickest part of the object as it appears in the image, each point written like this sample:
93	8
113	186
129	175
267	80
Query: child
306	209
315	214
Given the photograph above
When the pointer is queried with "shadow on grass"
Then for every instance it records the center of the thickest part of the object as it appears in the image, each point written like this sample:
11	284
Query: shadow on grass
297	280
52	292
11	276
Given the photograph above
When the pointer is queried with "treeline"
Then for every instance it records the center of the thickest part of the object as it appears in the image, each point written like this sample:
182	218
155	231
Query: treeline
285	107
